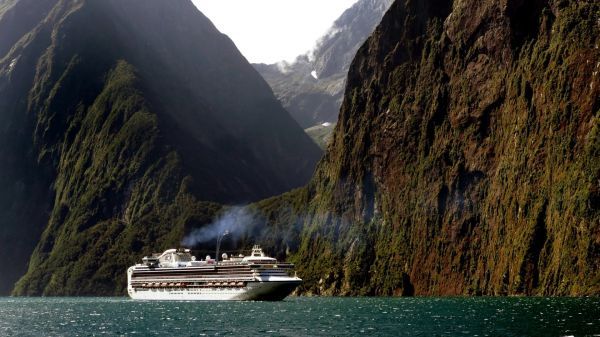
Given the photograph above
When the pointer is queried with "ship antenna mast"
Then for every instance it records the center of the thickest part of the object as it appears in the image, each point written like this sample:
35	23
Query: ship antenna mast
219	239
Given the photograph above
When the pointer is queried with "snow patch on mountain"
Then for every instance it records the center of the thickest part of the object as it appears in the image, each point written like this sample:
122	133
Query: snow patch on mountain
12	65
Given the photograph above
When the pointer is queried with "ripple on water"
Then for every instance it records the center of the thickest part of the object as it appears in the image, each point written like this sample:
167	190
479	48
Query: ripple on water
303	316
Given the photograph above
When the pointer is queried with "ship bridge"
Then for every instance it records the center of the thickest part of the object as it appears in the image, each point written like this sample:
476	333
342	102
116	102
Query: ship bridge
258	256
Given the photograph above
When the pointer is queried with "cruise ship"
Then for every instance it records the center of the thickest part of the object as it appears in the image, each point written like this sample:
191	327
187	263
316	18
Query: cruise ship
177	275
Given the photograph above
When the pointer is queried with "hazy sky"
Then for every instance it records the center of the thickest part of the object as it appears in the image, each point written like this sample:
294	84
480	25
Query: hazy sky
267	31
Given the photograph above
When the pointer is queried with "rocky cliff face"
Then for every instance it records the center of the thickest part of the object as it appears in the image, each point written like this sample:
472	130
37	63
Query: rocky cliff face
312	87
122	120
466	159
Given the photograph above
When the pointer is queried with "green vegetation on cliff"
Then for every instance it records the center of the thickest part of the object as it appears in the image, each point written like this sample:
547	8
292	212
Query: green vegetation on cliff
127	201
465	159
125	124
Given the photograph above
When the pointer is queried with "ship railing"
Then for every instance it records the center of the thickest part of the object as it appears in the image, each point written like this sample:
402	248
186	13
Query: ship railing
234	263
193	277
169	285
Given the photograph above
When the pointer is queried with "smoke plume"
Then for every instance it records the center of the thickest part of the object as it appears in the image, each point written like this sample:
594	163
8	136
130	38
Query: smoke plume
235	220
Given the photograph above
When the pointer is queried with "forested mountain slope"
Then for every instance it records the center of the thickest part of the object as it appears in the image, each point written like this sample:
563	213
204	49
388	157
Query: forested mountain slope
122	122
466	159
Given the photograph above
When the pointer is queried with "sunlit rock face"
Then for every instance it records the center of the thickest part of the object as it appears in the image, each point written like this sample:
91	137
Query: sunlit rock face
119	119
466	157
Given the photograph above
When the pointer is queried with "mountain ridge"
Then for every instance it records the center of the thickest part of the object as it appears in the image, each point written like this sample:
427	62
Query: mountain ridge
128	136
312	87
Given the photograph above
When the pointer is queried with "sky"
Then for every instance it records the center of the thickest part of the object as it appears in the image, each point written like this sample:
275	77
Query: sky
269	31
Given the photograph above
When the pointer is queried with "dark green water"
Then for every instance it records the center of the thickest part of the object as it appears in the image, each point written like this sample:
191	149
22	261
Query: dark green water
302	317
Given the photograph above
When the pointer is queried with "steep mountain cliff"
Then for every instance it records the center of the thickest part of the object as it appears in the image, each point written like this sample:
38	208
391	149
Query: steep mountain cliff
312	87
466	159
122	122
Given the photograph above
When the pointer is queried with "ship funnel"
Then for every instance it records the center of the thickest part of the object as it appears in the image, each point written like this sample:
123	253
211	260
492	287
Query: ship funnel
219	239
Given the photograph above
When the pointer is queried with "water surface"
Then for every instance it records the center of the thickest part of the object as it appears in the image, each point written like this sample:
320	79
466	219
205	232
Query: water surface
301	316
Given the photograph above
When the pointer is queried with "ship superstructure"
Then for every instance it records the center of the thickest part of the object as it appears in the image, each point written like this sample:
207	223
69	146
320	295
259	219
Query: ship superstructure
177	275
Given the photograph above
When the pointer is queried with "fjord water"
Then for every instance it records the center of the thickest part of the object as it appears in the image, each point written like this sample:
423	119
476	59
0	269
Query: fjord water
302	316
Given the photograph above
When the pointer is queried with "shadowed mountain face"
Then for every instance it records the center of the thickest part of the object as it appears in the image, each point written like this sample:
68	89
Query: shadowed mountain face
466	158
312	87
119	118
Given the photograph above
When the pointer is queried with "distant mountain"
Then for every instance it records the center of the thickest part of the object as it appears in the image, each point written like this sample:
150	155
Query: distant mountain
312	87
321	134
124	122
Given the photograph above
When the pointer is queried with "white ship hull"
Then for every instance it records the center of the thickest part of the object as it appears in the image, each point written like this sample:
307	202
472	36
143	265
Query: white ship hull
253	291
177	276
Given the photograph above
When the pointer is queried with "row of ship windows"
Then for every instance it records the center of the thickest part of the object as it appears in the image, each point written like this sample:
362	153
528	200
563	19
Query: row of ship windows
187	294
212	290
